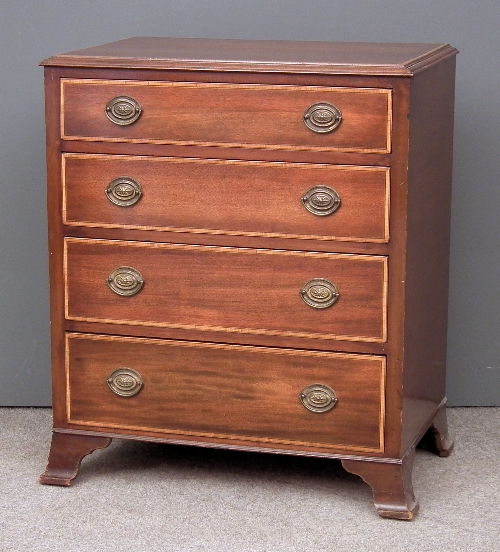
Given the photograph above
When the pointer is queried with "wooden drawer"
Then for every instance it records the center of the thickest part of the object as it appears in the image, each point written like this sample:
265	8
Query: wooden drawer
228	289
222	391
212	196
231	115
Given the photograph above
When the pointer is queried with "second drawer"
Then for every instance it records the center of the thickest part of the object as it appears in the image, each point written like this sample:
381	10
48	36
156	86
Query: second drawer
253	198
253	291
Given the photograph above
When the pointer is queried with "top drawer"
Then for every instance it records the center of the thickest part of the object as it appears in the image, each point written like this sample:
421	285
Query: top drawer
230	115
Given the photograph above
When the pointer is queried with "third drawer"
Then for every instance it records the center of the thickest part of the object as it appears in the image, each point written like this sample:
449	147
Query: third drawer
227	289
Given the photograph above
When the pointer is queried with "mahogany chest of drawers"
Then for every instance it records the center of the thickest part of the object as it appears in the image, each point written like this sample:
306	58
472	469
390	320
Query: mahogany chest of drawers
249	249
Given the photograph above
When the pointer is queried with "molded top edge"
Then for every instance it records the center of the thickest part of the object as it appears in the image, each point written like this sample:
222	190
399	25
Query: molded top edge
346	58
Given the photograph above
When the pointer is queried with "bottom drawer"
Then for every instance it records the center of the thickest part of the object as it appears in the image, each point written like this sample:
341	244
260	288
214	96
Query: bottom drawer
233	392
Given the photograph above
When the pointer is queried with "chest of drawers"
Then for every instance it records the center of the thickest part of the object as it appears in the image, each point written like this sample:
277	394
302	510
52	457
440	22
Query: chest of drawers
249	249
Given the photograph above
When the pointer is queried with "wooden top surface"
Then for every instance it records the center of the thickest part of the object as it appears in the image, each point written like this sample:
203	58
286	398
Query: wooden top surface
347	58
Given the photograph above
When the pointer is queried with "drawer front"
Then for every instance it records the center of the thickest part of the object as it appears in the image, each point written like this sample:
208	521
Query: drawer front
227	289
222	391
231	115
227	197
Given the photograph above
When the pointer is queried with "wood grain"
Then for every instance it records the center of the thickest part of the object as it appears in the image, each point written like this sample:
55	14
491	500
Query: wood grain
55	242
248	198
229	392
397	267
66	454
231	115
227	289
262	56
391	485
428	245
219	331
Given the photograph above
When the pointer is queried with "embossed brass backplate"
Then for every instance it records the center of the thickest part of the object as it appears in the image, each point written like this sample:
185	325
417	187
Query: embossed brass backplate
123	110
321	200
125	382
318	397
322	117
124	191
319	293
125	280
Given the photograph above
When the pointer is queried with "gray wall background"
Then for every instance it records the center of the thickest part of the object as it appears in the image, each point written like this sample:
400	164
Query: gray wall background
33	30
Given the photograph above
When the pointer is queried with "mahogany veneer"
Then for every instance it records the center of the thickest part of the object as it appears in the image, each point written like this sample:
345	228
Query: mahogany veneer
221	288
228	391
204	196
249	249
253	115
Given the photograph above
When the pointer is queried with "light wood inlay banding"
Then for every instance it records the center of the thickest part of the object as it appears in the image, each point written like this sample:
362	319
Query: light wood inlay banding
231	115
227	289
205	196
185	394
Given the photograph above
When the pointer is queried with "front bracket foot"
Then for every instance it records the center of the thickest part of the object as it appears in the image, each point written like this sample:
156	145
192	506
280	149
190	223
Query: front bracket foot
66	453
391	485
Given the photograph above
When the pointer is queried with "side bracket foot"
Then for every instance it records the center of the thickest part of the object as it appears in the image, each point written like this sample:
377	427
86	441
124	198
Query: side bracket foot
437	438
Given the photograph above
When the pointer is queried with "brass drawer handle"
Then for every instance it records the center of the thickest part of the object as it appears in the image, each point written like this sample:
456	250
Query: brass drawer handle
123	110
125	281
125	382
322	117
321	200
319	293
318	397
124	191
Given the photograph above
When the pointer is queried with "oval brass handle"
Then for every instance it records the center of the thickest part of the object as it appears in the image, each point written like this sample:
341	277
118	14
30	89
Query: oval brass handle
125	281
124	191
319	293
321	200
318	397
322	117
125	382
123	110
